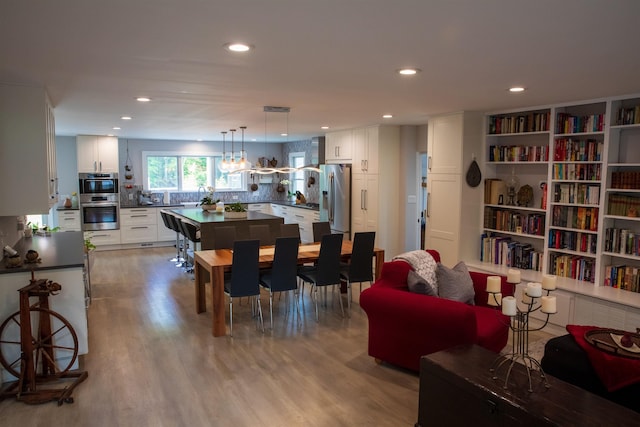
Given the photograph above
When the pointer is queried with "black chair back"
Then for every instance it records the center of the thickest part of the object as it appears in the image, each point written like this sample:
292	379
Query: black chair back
360	266
328	267
320	229
284	272
166	220
190	231
174	223
290	230
245	272
261	232
224	237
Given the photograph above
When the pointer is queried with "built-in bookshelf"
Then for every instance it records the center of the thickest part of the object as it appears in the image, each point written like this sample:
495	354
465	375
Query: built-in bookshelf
576	177
621	220
517	153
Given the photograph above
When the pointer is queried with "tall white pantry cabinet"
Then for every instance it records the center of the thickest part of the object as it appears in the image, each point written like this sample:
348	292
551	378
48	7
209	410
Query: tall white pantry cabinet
97	153
453	142
582	162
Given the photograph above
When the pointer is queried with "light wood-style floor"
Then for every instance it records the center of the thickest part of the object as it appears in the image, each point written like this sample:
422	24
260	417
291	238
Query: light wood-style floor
153	362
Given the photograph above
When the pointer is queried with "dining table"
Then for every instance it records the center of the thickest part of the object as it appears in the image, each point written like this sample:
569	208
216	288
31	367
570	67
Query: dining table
212	264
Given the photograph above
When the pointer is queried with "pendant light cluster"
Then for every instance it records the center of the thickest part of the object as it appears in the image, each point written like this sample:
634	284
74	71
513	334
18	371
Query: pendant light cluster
229	164
242	165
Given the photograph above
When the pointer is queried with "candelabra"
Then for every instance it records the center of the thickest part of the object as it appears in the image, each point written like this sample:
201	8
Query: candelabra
533	300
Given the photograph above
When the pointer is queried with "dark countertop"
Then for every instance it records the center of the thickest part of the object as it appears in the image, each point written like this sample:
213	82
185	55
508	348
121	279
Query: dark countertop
62	208
314	207
155	205
57	251
199	216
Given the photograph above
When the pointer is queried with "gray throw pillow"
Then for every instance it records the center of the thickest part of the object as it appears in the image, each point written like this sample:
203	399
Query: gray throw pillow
455	283
419	285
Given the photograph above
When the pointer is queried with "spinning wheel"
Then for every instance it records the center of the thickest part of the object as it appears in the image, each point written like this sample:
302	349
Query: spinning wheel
38	345
54	352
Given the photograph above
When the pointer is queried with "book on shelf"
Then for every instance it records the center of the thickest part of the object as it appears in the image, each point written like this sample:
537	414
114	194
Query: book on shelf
519	123
628	115
577	150
494	191
624	277
626	180
567	123
622	205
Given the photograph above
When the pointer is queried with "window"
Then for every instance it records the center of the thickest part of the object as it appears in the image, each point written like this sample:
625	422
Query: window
187	172
296	160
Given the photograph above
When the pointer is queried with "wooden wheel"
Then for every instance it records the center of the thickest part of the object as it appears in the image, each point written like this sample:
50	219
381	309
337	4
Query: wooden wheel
54	343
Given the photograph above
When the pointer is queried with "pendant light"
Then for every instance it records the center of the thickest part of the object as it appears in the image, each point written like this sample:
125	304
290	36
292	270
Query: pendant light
233	166
224	166
243	154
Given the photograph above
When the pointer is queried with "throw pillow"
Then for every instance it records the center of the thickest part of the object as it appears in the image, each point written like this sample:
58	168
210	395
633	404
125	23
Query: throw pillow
419	285
423	264
455	283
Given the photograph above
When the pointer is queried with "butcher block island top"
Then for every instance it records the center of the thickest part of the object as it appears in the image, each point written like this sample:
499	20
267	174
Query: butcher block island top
207	222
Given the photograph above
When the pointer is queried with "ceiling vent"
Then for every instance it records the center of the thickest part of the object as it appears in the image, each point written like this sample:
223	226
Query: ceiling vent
271	109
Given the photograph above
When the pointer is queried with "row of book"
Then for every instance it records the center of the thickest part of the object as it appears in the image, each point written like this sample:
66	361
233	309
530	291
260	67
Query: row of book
577	171
578	242
576	217
494	191
518	153
584	194
520	123
628	180
513	221
623	205
623	277
572	266
502	250
622	241
628	116
568	123
577	150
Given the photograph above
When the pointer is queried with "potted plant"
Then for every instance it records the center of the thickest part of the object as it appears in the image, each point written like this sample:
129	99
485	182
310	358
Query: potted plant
208	203
235	210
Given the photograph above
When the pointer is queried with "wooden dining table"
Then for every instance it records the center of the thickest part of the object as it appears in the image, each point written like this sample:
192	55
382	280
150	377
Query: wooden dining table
216	262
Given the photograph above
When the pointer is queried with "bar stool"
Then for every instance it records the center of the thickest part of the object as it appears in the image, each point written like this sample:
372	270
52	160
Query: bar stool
175	226
191	234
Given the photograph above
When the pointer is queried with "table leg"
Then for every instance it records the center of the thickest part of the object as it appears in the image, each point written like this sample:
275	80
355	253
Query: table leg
217	296
379	263
201	300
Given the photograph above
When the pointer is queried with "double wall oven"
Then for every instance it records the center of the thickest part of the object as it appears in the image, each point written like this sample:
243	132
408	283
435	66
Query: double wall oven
99	201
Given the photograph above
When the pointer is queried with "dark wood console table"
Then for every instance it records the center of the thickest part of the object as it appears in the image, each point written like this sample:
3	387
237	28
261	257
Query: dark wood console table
457	389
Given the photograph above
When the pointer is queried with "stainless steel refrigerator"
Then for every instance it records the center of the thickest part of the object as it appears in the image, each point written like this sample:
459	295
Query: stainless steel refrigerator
335	197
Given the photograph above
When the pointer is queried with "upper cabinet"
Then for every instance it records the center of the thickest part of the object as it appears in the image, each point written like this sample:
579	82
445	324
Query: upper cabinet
27	151
339	147
97	153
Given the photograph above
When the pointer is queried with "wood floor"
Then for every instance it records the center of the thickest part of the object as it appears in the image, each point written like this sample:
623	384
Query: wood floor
153	362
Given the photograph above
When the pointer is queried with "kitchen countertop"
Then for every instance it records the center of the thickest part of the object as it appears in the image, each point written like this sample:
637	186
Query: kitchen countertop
155	205
199	216
62	208
57	251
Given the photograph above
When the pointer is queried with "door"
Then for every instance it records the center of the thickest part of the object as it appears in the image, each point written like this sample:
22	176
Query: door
443	216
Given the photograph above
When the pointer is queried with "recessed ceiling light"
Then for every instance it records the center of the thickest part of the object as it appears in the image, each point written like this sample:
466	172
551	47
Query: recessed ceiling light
516	89
324	127
143	99
387	116
126	117
116	128
238	47
409	71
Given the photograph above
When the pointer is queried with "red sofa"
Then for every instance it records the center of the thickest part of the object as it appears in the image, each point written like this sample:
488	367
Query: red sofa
403	325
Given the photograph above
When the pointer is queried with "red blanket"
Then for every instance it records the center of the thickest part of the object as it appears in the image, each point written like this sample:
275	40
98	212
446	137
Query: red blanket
615	372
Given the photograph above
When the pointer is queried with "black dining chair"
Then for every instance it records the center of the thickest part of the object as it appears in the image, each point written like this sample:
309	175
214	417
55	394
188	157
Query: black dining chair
290	230
320	229
360	268
326	272
244	280
283	275
261	232
223	237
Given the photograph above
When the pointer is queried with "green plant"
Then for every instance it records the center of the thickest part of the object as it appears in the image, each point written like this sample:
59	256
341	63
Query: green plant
32	226
208	198
88	245
235	207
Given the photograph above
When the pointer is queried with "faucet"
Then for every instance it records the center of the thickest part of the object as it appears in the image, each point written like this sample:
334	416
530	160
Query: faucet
202	187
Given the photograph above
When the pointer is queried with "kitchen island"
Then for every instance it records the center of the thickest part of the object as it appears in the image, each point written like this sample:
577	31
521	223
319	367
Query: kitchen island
61	261
207	222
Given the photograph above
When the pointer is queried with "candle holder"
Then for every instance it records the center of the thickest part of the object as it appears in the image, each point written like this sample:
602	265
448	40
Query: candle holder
519	325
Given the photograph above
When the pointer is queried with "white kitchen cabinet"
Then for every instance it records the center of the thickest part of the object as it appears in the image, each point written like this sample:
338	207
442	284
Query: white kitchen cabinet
28	152
453	205
302	216
366	147
138	225
97	153
165	234
264	208
68	220
103	237
364	206
339	146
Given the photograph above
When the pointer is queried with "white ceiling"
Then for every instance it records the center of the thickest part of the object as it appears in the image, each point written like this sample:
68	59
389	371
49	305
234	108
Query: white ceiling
333	62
